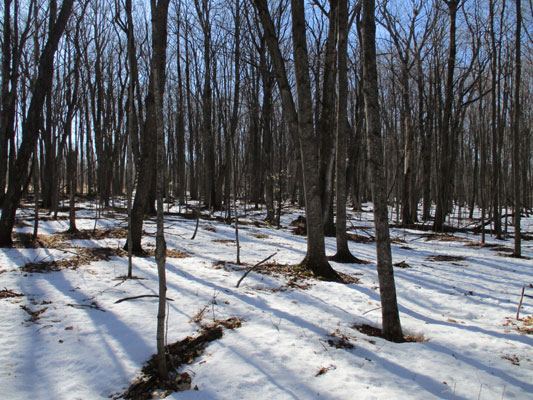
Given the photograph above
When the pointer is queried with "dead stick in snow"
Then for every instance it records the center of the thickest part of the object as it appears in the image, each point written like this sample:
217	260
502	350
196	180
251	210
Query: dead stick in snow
139	297
520	304
197	223
255	266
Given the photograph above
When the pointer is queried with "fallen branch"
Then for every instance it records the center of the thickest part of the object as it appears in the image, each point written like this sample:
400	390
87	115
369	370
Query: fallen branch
139	297
197	223
522	298
92	305
255	266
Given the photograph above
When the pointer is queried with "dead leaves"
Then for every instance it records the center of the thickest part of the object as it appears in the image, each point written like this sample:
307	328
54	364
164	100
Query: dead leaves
178	354
83	256
340	340
7	293
446	258
524	325
376	332
323	370
35	315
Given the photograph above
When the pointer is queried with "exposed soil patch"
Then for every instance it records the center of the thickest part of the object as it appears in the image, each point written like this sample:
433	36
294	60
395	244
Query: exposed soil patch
6	294
224	241
295	274
260	235
503	249
354	237
299	226
525	327
171	253
479	244
84	256
402	264
512	358
178	354
35	315
340	340
443	257
59	240
376	332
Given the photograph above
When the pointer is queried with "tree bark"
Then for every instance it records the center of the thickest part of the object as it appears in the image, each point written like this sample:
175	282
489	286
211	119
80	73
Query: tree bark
516	132
392	329
158	65
32	124
302	123
343	252
148	158
447	158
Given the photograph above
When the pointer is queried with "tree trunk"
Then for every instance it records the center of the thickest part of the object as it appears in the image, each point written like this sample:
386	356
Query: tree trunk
148	158
343	252
516	132
158	64
447	157
32	124
302	123
392	329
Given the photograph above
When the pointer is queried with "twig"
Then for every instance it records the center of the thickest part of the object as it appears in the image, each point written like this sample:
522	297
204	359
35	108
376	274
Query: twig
197	223
139	297
520	303
94	306
255	266
374	309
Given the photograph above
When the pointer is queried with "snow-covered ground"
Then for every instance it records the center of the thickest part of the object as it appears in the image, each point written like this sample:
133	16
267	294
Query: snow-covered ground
85	346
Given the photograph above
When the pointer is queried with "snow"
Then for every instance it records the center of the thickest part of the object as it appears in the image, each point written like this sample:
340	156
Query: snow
85	346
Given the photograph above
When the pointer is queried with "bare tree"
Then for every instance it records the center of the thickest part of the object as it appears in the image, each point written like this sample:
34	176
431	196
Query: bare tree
33	121
392	329
302	123
516	130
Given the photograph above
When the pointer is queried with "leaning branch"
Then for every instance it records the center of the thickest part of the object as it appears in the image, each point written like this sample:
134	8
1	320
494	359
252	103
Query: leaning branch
139	297
255	266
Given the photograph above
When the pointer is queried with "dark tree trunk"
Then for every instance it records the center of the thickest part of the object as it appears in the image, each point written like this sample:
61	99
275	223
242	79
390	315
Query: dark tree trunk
516	132
343	252
447	156
392	329
302	123
32	124
146	166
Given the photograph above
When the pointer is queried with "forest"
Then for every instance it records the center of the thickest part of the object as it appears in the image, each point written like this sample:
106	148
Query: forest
305	141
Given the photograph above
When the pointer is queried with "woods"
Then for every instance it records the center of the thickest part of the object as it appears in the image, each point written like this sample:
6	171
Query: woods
423	108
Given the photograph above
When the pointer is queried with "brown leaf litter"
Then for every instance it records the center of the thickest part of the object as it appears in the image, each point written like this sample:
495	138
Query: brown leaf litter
446	258
297	276
178	354
7	293
376	332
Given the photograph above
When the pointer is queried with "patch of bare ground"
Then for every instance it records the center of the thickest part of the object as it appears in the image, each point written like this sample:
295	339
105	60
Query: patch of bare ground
512	255
445	237
35	315
7	293
479	244
171	253
340	340
59	240
376	332
224	241
402	264
512	358
297	276
523	325
443	257
354	237
83	256
178	354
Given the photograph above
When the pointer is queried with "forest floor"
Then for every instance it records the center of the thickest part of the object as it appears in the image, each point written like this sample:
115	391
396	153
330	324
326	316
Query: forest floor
66	334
